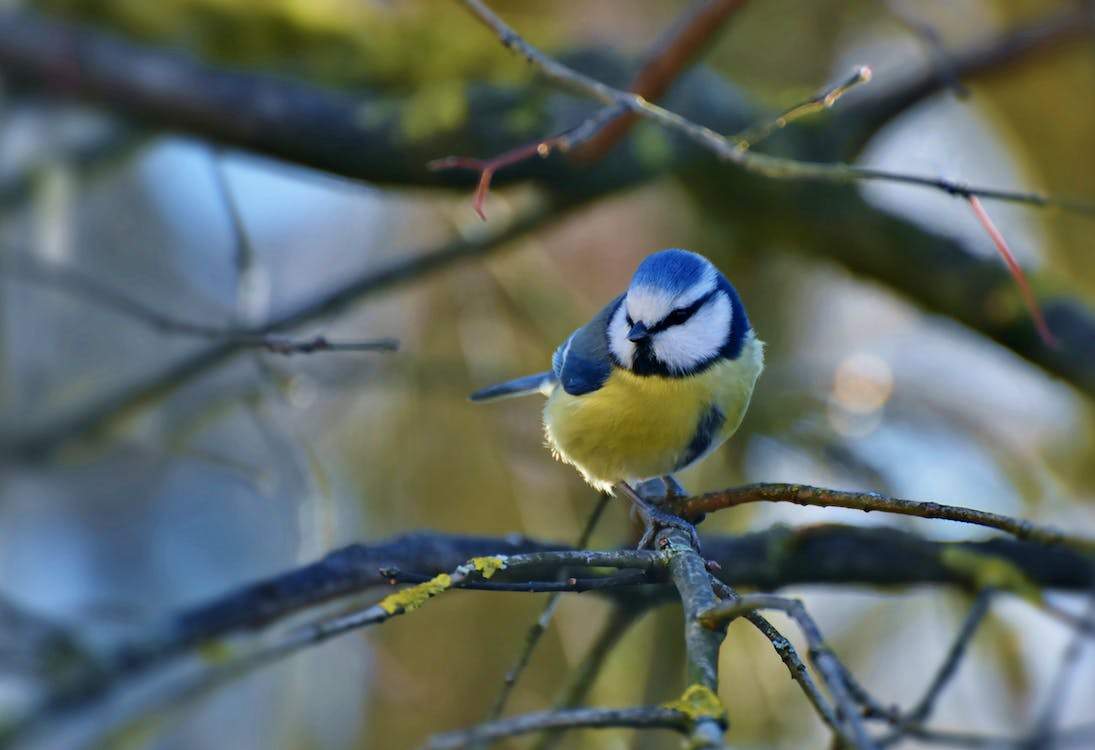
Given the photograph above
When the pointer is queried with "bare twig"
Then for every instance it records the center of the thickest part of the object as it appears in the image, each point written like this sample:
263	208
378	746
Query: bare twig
539	627
923	709
101	412
929	35
724	148
258	338
599	132
1045	727
681	46
825	661
580	682
817	103
994	56
646	717
791	660
1016	271
801	494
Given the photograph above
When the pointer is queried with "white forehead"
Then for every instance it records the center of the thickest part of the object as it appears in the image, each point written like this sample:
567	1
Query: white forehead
652	302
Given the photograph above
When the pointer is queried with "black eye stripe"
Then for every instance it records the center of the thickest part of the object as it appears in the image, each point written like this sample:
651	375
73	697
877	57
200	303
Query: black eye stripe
682	314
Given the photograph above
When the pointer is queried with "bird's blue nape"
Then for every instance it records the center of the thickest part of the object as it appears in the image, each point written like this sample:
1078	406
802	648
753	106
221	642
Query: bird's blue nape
673	271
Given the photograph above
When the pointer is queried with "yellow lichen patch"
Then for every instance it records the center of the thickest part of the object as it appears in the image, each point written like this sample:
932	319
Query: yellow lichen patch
990	572
699	702
408	600
488	566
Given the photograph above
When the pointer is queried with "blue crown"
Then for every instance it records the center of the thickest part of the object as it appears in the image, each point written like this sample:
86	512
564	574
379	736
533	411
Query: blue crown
673	270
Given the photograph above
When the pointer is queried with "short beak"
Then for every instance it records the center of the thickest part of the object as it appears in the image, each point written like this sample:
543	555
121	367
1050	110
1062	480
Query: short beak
638	332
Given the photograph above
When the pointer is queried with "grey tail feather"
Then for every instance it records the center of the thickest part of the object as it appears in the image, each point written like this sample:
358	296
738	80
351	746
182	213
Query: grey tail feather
512	388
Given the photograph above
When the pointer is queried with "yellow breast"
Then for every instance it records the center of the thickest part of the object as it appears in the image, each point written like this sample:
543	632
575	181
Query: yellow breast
635	428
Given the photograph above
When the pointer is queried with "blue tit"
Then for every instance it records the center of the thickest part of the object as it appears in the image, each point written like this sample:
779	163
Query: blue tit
659	379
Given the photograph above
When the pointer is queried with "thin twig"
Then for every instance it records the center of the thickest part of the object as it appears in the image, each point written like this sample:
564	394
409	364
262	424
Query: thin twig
681	46
646	717
945	68
787	653
1015	270
726	149
924	707
817	103
100	294
599	132
539	627
100	412
580	682
826	662
801	494
1046	725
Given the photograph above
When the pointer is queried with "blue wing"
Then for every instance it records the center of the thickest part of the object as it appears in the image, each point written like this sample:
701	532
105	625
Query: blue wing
583	363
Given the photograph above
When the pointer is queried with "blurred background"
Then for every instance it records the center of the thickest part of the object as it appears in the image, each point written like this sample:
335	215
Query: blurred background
132	486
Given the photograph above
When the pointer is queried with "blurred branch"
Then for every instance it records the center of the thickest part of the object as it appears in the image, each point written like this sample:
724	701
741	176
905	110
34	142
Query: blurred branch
682	45
725	149
931	38
326	129
100	294
801	494
539	627
924	707
646	717
618	624
39	443
1045	730
596	135
994	56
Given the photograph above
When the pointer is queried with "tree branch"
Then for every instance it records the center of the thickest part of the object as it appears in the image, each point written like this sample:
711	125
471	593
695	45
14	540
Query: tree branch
994	56
646	717
689	573
325	129
259	337
726	150
825	661
801	494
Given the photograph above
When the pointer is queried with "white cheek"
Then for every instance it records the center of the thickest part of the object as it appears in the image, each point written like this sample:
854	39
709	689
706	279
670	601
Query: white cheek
622	349
680	348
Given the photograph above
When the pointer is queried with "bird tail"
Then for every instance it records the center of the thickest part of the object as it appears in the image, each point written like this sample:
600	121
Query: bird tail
541	382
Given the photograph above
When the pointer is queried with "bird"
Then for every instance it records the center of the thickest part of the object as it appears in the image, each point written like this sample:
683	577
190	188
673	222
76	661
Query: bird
653	384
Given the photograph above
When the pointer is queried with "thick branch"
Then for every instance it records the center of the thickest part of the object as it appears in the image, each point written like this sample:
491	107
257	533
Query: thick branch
689	574
769	559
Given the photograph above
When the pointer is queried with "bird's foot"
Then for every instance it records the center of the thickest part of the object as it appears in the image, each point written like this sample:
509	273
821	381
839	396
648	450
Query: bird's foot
673	489
655	519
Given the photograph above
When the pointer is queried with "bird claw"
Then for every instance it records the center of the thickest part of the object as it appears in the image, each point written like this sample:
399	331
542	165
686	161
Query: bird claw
655	519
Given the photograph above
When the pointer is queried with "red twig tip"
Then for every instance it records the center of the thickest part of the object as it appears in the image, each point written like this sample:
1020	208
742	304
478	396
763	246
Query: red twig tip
1016	272
487	167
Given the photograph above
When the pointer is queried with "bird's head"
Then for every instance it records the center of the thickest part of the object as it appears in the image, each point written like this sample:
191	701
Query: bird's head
679	316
